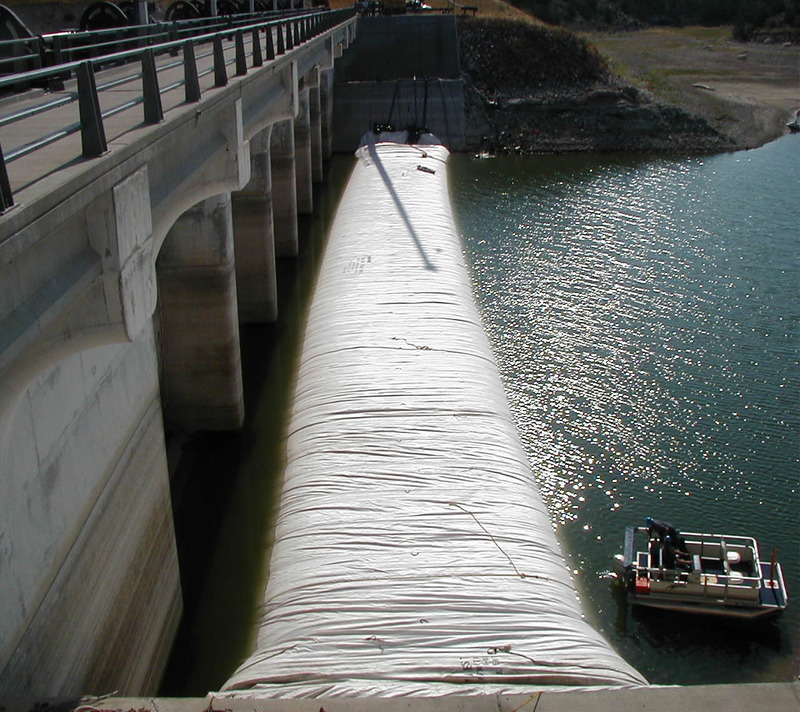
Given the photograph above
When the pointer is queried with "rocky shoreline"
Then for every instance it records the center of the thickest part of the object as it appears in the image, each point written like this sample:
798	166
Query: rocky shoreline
597	118
561	96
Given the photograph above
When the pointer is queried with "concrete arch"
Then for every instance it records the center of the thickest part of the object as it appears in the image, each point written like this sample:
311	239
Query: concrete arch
68	338
219	162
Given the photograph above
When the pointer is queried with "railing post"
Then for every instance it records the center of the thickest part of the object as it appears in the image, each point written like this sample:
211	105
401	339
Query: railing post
58	44
93	136
296	24
289	42
281	46
153	112
56	82
258	59
173	37
270	44
191	81
241	57
220	75
6	196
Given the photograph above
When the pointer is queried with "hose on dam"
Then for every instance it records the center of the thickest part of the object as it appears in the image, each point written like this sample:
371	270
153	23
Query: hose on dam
413	554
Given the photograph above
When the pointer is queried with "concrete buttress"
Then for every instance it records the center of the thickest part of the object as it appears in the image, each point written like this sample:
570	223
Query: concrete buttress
284	189
315	131
326	111
302	147
254	237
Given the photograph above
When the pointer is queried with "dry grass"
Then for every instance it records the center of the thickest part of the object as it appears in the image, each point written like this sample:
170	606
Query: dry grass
486	9
746	91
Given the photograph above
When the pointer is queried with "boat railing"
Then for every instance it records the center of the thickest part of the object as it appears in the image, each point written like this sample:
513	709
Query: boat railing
713	573
665	574
725	586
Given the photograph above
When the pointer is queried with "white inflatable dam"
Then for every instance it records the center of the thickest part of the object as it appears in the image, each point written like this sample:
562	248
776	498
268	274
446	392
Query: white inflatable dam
413	554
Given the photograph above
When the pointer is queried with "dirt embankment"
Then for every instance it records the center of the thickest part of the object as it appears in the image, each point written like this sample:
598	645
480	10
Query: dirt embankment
745	91
539	89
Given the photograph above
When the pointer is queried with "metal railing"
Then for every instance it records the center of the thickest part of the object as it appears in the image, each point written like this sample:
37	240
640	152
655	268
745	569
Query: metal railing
279	37
48	50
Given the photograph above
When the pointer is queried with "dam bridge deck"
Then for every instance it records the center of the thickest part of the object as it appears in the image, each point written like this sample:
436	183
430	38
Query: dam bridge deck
47	135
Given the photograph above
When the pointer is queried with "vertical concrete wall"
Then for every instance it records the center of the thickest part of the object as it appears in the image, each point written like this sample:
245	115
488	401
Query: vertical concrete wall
359	105
90	590
404	70
201	363
402	47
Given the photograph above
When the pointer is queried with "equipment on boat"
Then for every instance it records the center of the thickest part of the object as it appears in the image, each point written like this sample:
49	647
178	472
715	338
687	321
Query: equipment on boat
713	574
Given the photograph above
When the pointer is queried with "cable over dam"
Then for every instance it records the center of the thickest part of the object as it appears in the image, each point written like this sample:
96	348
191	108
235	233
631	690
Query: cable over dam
413	554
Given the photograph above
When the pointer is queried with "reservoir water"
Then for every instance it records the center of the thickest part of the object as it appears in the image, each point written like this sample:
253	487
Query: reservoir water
643	312
644	315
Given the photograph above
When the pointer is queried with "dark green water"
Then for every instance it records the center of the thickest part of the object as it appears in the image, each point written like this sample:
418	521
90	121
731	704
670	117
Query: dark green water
644	315
227	487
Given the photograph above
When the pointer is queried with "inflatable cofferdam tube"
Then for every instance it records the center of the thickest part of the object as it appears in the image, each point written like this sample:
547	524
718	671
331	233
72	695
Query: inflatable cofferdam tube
413	554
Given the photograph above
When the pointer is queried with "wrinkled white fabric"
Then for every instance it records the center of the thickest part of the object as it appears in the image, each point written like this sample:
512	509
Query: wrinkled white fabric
413	554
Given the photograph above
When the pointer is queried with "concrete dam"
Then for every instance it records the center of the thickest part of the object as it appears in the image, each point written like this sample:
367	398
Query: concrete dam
413	554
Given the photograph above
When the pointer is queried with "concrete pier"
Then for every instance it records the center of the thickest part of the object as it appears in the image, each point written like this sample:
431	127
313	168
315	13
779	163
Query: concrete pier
254	237
326	112
315	131
201	364
284	189
303	154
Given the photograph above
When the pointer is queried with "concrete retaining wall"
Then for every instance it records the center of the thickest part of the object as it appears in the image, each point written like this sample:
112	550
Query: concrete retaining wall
359	105
402	47
384	75
87	548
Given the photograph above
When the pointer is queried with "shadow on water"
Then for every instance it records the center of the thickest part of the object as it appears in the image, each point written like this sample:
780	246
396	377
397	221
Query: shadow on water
225	489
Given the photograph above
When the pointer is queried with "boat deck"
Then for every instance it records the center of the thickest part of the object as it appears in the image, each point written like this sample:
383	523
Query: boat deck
720	575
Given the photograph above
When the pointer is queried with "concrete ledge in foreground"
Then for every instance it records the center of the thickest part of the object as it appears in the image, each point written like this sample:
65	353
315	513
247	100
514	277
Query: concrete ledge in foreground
765	697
